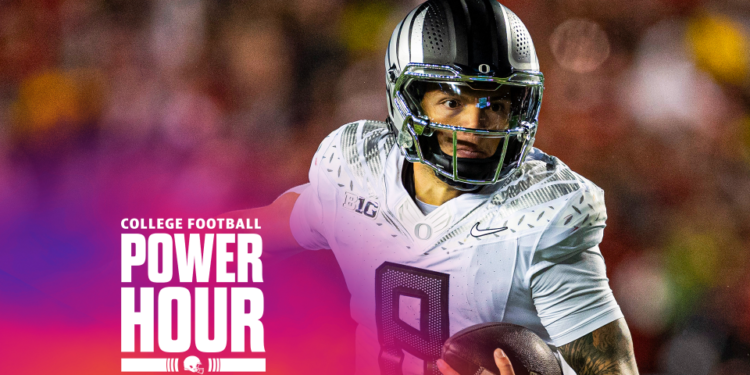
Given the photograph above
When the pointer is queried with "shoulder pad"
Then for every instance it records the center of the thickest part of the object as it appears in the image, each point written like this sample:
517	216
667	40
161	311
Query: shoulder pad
356	153
540	179
577	226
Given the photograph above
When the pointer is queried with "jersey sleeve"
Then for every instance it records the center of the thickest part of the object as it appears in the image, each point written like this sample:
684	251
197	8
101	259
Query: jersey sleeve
567	276
310	213
573	297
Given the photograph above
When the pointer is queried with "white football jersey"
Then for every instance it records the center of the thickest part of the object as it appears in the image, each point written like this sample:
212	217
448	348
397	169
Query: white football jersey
522	251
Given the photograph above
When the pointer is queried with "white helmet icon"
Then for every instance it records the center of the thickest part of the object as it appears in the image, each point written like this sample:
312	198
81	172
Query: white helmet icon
193	364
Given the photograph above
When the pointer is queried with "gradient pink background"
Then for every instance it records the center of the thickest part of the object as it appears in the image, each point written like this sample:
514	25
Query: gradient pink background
60	288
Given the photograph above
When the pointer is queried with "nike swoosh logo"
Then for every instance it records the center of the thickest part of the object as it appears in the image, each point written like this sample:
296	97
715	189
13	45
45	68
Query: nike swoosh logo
476	232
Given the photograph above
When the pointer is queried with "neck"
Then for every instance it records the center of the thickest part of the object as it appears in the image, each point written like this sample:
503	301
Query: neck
429	189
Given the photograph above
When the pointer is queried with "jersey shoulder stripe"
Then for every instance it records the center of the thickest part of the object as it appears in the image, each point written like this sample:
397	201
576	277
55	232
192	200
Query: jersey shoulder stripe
352	157
364	147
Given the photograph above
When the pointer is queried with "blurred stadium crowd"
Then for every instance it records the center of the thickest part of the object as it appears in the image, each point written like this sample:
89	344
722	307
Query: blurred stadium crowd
202	106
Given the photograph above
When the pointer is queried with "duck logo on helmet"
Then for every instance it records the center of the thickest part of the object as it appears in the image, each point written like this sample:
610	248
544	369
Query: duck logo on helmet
193	364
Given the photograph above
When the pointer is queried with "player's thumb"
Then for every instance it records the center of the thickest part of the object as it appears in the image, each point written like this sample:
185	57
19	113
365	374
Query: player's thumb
503	363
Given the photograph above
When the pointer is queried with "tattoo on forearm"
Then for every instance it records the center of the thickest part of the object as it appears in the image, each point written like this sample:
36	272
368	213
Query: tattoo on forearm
606	351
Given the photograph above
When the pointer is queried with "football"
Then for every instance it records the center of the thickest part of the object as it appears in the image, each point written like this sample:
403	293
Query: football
471	350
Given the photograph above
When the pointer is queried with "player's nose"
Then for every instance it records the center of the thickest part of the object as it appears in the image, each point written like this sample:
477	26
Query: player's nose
475	118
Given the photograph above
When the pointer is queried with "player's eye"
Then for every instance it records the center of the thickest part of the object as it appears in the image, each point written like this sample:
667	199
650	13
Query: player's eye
451	103
499	107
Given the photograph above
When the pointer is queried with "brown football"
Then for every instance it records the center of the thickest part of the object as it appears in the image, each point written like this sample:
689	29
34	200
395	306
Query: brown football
472	348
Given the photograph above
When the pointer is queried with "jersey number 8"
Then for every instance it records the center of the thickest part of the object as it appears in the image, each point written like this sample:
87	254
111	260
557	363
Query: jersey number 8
395	335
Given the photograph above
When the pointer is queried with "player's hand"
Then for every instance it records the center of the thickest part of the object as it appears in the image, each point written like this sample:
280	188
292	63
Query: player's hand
501	360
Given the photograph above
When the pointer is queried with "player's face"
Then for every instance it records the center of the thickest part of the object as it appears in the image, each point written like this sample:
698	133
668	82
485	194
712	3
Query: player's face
474	109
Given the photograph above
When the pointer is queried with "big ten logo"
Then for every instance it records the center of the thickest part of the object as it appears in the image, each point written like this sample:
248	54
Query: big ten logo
361	205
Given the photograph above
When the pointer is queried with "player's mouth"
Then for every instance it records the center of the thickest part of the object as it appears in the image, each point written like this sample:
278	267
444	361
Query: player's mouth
469	153
469	150
465	148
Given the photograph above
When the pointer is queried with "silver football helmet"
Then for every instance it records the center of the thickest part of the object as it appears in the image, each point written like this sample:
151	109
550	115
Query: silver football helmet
479	53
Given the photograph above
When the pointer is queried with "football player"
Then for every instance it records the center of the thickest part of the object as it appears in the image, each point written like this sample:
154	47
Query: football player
445	216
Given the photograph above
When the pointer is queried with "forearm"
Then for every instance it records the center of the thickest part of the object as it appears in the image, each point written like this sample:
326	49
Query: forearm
606	351
273	221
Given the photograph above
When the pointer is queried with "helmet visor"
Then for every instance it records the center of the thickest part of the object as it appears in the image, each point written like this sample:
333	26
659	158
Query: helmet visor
468	128
478	105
